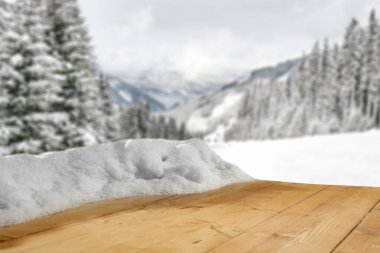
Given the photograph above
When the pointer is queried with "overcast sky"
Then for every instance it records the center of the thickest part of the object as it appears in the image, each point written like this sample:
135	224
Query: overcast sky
212	40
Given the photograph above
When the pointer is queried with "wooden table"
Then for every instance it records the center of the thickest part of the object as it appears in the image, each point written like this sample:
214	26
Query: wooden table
251	217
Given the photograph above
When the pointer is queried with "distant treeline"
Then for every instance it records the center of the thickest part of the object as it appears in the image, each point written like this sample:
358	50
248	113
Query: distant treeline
335	89
137	122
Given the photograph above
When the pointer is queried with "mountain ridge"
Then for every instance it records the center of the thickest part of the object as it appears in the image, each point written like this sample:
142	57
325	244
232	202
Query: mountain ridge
217	112
187	100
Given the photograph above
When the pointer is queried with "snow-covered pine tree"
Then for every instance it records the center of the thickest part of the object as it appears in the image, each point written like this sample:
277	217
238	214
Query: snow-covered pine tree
372	56
143	119
351	70
362	74
336	87
302	97
5	16
315	61
136	122
303	80
29	84
162	129
153	131
289	89
172	129
80	89
328	91
5	23
182	133
245	109
109	124
249	114
128	123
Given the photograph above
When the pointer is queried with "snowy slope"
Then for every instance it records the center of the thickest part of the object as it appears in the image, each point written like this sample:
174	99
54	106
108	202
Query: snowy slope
173	97
344	159
125	94
216	112
161	97
32	186
170	87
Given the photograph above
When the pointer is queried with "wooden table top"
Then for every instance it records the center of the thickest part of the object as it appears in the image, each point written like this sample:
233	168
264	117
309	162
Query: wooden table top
250	217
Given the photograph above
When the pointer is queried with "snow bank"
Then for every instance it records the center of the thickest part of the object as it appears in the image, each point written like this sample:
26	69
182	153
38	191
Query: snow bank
32	186
342	159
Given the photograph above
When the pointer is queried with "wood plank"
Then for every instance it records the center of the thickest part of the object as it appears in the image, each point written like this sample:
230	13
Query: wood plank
365	237
250	217
178	217
85	212
103	208
259	207
155	213
317	224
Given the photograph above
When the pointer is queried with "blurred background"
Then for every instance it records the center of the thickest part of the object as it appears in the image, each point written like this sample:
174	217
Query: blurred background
79	72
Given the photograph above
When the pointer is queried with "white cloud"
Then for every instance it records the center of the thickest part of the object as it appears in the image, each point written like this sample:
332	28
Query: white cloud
138	23
216	56
211	40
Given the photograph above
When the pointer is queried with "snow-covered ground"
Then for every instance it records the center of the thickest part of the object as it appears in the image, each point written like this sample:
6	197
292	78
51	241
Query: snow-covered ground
344	159
32	186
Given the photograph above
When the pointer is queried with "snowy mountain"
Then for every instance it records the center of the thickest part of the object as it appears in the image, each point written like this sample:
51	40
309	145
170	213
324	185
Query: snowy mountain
173	97
171	87
217	112
161	97
170	91
125	94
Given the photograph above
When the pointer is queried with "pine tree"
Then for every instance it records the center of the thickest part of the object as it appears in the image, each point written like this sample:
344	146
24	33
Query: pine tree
372	52
153	131
315	75
351	70
128	123
245	109
335	85
5	16
5	23
289	89
327	94
162	129
143	119
29	84
362	74
136	122
182	133
109	126
303	80
80	88
172	132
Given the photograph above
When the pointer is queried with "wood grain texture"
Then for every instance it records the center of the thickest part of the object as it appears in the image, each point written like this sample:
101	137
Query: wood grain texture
366	235
251	217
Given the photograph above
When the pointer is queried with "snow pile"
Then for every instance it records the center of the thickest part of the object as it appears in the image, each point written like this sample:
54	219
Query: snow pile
343	159
32	186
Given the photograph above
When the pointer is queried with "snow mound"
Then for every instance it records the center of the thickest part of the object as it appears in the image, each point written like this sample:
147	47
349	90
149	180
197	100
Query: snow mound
32	186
